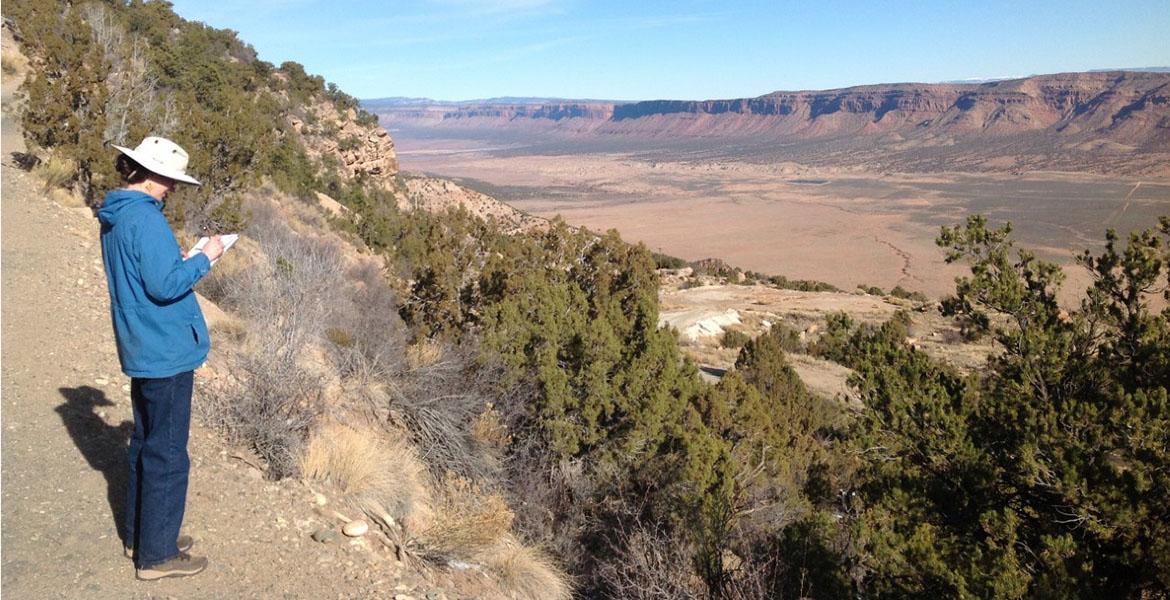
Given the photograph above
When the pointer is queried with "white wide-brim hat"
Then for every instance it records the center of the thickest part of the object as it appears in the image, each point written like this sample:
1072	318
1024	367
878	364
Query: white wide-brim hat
161	156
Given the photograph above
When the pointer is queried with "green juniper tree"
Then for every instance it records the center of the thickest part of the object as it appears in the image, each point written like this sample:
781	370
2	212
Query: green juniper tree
1047	475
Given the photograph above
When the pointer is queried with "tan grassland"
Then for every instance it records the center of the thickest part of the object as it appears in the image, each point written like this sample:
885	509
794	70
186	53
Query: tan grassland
844	226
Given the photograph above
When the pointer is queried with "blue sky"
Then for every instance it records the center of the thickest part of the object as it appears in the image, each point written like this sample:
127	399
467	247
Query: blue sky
685	49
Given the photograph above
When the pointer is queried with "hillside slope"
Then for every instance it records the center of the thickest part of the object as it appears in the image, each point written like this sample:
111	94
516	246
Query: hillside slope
67	419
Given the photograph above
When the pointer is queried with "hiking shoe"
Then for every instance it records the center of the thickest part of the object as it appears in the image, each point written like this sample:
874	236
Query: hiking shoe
184	542
180	566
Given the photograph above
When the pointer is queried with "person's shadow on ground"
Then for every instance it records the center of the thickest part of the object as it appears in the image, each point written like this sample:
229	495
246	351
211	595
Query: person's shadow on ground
102	445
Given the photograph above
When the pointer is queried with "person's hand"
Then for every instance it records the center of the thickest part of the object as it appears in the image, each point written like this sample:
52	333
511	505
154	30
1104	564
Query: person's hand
213	248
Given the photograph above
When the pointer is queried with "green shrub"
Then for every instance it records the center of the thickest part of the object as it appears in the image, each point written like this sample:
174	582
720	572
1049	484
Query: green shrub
801	285
1040	454
301	85
734	339
66	92
788	337
201	86
900	292
665	261
367	119
228	217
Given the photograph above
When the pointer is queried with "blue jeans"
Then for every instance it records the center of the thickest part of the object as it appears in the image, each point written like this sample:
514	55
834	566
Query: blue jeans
159	466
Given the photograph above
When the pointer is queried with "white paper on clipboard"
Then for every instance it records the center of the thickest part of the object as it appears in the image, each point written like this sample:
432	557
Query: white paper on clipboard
228	240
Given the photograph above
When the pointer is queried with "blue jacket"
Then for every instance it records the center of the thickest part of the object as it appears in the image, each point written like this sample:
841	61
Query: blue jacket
158	324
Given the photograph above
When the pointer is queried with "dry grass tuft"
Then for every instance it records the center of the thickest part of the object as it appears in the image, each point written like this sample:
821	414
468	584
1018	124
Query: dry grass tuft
526	573
56	172
489	429
67	198
340	337
423	354
467	522
350	459
380	471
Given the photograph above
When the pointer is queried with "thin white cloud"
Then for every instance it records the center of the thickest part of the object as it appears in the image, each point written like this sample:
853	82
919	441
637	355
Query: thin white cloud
225	10
503	56
671	20
497	6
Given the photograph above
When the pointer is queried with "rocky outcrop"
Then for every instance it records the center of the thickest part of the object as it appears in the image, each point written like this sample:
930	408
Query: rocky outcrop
439	195
338	140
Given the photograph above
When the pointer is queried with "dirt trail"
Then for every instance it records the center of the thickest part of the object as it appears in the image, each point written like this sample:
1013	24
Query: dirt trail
66	419
902	254
1128	201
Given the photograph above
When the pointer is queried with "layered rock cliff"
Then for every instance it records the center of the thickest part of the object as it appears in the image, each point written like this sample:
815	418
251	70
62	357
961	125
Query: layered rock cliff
1132	106
552	112
1050	121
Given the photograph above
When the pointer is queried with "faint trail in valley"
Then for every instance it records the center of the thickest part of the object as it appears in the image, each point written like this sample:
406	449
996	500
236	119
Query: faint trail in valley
1129	197
1128	200
905	256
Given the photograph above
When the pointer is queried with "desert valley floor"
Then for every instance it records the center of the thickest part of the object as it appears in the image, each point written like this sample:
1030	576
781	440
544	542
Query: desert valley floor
844	226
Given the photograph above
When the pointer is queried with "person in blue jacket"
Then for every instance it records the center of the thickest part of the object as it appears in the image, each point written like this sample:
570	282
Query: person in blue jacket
161	338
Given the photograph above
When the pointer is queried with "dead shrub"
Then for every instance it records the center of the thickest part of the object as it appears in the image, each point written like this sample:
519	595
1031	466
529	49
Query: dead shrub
232	329
219	285
754	582
553	498
25	161
439	405
526	573
648	563
283	300
271	406
367	335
